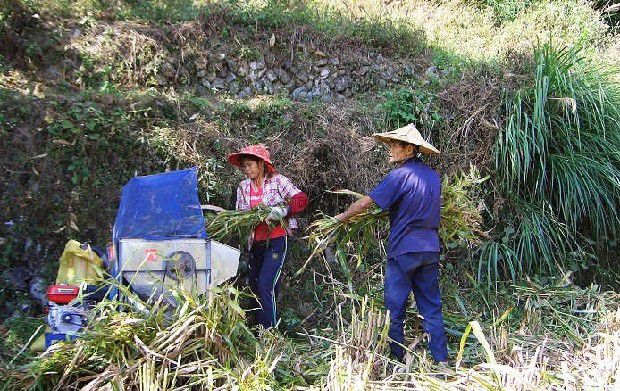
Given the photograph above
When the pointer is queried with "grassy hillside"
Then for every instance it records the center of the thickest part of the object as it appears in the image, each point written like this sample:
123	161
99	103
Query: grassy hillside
93	93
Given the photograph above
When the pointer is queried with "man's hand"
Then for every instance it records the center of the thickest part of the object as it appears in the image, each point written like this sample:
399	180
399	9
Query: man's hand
356	208
277	213
342	218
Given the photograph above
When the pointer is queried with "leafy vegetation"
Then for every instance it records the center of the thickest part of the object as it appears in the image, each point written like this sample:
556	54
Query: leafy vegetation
410	105
83	109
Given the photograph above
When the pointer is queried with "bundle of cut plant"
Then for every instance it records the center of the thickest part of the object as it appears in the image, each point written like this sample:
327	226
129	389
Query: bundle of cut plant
356	237
460	223
236	223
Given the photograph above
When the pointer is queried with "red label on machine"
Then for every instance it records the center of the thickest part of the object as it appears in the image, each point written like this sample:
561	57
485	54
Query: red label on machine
151	254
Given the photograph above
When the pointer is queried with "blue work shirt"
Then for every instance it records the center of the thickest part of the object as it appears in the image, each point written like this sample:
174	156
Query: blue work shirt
412	195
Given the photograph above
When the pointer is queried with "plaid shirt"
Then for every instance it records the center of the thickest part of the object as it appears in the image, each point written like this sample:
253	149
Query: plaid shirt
277	190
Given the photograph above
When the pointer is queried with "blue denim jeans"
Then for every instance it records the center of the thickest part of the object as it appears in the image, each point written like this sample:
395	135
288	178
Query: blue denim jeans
267	258
417	272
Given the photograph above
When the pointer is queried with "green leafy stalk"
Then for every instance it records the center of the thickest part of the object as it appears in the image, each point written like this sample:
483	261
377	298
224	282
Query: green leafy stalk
236	223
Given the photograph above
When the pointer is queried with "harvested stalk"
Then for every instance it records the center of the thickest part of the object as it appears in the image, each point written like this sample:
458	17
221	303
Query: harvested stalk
239	223
359	234
461	221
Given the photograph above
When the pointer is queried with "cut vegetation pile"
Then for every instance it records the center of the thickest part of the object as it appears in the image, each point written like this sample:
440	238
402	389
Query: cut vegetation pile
153	346
553	336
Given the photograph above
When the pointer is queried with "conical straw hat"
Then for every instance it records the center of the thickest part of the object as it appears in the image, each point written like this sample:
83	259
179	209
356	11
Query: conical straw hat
408	134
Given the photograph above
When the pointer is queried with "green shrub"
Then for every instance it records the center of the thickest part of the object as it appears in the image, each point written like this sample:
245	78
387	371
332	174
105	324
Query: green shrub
506	10
409	105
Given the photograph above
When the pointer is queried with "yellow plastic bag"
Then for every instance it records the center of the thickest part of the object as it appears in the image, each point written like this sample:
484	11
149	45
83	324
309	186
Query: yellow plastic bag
78	265
39	344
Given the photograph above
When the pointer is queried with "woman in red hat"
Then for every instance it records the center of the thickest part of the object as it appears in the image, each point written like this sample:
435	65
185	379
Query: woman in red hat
265	186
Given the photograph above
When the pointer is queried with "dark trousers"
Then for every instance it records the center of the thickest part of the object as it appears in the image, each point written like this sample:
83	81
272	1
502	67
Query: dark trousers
418	272
267	258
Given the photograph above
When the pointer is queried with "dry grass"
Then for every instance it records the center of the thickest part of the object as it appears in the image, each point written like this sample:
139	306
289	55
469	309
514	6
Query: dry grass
472	110
496	356
472	33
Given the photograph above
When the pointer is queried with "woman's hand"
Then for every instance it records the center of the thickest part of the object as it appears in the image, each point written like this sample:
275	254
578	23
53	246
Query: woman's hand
277	213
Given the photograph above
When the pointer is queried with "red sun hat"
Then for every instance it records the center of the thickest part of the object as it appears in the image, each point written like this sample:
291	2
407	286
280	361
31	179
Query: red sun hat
259	150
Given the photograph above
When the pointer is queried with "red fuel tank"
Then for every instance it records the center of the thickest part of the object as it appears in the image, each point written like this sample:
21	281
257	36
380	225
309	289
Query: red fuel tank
62	293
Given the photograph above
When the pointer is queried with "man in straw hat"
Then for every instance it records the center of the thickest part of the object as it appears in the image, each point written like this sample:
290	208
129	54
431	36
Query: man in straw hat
411	193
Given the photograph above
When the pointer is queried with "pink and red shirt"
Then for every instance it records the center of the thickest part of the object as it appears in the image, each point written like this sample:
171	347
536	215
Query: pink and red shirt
262	231
277	190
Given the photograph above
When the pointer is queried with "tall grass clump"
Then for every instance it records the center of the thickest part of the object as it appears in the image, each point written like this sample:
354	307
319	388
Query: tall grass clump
558	160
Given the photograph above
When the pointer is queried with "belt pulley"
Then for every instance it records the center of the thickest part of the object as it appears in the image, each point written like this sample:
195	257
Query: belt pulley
179	265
